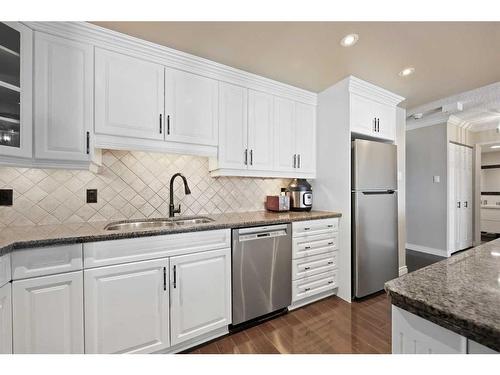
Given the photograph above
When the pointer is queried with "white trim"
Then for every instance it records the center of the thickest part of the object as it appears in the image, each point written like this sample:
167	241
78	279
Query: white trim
311	299
256	173
112	40
195	341
427	250
403	270
149	145
369	90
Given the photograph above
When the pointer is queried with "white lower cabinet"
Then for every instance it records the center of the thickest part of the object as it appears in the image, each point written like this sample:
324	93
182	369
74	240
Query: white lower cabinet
6	319
48	314
200	294
126	308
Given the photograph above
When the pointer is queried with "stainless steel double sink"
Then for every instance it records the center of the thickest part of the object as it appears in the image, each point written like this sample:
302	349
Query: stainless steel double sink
157	223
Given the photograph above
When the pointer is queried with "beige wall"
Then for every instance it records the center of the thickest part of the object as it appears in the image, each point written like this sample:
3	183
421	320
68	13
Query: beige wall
130	185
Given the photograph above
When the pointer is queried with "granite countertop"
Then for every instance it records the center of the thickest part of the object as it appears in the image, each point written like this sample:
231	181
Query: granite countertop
12	238
461	293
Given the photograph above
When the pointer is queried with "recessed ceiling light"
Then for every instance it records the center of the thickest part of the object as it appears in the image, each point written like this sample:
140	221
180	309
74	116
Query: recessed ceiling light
349	40
496	146
407	71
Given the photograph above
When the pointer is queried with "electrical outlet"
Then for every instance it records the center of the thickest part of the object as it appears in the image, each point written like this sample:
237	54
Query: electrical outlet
91	195
6	197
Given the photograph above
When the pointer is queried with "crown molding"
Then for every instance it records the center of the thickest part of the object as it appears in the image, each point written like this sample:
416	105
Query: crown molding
369	90
112	40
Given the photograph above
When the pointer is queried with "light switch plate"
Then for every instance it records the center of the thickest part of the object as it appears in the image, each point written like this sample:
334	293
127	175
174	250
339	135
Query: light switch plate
436	179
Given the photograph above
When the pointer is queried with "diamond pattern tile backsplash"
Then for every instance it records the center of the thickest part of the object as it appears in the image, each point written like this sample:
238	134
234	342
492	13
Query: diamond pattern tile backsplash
130	185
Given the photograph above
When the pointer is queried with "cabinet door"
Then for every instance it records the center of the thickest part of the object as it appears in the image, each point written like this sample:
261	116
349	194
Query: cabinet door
191	103
260	131
305	135
48	314
284	127
386	120
64	101
200	293
126	308
5	319
362	115
129	96
233	110
16	83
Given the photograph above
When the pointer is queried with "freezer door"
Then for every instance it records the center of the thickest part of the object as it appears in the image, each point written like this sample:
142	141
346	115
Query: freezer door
375	240
374	165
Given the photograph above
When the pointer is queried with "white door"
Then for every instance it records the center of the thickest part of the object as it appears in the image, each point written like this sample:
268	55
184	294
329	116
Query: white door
284	136
362	115
48	314
305	135
191	108
129	96
200	288
260	131
16	84
126	308
64	98
233	110
5	319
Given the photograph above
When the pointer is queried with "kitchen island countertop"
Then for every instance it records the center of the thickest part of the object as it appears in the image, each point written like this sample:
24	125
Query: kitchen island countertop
461	293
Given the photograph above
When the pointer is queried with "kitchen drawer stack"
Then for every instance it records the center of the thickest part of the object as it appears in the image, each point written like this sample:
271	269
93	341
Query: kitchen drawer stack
314	260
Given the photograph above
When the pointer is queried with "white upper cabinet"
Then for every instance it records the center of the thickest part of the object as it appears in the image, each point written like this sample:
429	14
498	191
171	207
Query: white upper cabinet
372	110
200	293
129	96
260	131
233	126
48	314
63	97
284	133
191	108
305	138
126	308
16	82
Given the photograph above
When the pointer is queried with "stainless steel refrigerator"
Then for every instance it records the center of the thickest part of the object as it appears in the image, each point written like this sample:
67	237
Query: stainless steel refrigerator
374	216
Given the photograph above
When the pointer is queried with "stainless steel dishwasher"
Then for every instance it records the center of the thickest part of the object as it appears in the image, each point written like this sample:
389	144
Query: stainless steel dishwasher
262	271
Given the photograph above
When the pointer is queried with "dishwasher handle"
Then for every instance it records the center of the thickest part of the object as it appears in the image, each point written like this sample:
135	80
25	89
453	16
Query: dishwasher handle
252	234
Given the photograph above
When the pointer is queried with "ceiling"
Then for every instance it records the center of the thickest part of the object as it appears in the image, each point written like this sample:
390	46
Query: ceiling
449	57
480	119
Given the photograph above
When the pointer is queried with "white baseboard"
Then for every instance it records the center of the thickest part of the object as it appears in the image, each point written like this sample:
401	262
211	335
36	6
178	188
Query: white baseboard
427	250
403	270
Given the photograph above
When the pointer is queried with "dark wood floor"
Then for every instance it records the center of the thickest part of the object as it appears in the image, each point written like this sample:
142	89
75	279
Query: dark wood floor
328	326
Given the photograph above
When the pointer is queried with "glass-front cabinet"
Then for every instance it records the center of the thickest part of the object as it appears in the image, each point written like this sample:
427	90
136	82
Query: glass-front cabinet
16	51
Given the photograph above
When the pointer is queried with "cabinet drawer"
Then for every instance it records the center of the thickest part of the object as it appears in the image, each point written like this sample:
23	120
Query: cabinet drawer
4	269
314	245
303	228
309	286
105	253
314	265
46	261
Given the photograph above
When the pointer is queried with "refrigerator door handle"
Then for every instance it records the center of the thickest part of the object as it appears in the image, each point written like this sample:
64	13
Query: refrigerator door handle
390	191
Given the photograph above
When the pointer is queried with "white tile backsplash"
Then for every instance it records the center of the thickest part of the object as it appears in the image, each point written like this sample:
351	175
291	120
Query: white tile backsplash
130	185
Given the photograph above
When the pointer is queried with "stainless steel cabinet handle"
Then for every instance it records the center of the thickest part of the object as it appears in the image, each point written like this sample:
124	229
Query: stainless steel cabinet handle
330	282
330	262
175	277
168	124
307	289
458	204
307	268
160	123
330	225
378	125
164	278
465	204
88	143
251	157
307	228
307	247
246	156
295	160
298	161
330	243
